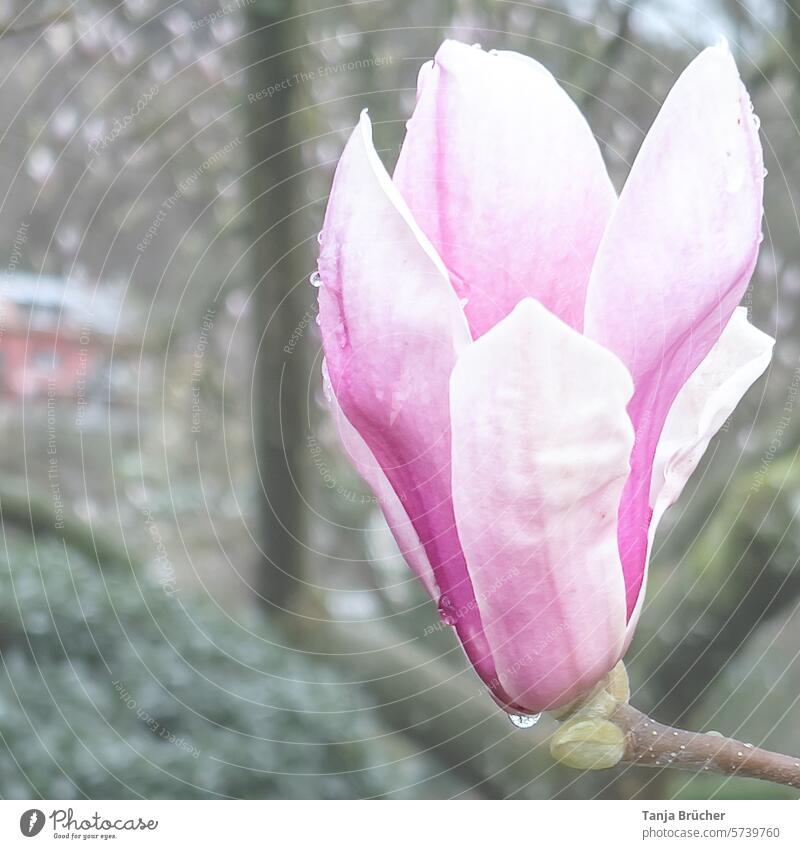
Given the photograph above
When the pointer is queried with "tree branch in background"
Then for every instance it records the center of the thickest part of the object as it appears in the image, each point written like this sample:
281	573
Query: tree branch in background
36	27
35	514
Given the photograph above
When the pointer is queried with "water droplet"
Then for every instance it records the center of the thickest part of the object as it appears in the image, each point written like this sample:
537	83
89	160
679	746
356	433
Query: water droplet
447	613
526	721
463	302
319	237
765	173
756	121
315	280
493	52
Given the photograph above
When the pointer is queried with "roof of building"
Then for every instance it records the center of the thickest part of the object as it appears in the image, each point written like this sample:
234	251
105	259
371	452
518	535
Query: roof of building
55	303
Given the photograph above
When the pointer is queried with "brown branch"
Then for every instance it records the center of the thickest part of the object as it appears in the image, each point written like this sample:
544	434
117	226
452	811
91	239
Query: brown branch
600	730
649	743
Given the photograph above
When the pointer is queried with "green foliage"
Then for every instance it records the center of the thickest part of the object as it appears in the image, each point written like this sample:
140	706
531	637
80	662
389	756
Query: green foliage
111	687
719	787
716	596
751	524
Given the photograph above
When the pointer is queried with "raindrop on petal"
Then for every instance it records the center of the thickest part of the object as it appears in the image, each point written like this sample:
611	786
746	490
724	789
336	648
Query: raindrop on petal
447	613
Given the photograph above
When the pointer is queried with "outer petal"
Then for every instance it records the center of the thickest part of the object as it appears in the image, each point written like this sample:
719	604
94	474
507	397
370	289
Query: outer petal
541	446
711	394
392	329
504	176
675	260
395	513
704	403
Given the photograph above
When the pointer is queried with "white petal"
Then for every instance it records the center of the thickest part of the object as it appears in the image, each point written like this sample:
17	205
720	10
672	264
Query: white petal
541	445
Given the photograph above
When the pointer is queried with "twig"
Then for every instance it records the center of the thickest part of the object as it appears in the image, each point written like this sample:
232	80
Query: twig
649	743
600	730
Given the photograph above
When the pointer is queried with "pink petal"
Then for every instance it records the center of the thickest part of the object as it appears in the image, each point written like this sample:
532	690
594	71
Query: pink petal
394	511
704	403
675	260
504	176
392	329
541	446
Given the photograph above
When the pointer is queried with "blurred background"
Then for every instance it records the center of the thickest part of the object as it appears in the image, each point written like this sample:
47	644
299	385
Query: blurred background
198	596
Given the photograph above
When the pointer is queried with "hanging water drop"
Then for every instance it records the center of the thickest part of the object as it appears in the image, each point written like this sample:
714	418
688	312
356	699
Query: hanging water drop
319	237
315	280
526	721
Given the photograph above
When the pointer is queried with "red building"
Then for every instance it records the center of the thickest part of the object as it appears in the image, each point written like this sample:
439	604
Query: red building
54	337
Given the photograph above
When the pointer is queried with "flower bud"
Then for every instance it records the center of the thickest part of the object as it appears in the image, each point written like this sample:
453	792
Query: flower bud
588	744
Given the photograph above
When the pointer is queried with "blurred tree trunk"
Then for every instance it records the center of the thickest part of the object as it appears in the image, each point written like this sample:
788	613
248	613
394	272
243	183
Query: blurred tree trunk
279	303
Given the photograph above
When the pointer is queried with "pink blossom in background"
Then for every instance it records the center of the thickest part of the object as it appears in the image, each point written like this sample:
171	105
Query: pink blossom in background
527	368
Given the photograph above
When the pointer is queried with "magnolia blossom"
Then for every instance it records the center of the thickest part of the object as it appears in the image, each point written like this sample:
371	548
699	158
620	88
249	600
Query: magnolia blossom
527	368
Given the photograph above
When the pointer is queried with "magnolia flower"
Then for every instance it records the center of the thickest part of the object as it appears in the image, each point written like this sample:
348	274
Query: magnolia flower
527	368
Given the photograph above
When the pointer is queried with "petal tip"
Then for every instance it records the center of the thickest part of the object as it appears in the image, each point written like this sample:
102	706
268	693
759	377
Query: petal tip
722	45
365	123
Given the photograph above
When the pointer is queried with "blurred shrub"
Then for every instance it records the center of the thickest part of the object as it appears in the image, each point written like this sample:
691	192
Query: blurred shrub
110	686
